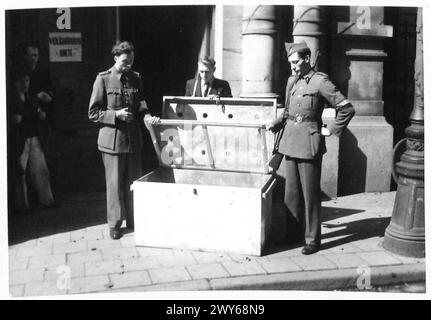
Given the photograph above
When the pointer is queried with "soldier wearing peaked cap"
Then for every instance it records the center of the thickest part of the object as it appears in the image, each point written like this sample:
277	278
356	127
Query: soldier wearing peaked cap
118	104
302	143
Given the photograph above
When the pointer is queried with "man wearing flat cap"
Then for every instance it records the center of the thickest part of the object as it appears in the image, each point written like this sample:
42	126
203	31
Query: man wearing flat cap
302	143
205	84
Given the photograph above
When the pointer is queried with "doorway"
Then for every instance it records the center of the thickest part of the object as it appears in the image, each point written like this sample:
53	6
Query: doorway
168	41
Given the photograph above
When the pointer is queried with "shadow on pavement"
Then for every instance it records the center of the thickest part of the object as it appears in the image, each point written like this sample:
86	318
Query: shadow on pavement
354	231
351	231
76	211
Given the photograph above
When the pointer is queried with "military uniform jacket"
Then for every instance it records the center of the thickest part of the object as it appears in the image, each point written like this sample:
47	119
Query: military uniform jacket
302	117
218	87
109	95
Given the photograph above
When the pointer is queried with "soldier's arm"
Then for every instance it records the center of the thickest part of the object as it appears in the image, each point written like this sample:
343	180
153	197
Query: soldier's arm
344	109
143	109
97	109
276	124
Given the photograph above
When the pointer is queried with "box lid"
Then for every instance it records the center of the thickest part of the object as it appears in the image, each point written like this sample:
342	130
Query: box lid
201	133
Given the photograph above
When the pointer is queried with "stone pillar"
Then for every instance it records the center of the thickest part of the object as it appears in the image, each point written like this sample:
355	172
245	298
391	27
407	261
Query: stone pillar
258	42
308	26
357	67
405	234
227	50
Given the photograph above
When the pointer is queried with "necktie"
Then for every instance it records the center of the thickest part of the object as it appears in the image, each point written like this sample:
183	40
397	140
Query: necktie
206	87
124	92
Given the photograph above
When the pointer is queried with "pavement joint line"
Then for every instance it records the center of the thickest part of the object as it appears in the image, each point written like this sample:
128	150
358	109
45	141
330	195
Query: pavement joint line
149	276
227	271
188	272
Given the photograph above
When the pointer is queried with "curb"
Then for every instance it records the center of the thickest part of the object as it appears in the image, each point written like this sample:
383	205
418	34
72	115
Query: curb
324	280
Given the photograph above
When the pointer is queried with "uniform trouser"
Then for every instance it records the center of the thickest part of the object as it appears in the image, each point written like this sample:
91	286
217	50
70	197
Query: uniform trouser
32	162
302	199
120	171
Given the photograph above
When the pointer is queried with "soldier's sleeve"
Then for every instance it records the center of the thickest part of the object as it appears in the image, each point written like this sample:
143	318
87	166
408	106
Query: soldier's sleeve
277	124
344	109
97	109
143	107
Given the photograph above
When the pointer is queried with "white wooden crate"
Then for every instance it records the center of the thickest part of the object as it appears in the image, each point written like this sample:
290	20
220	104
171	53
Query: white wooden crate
213	190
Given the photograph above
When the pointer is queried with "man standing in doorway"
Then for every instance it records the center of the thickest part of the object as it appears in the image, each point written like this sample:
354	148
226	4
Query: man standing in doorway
40	85
40	78
303	143
118	104
205	84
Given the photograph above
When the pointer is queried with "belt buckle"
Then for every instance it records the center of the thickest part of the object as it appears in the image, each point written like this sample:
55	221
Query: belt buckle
298	118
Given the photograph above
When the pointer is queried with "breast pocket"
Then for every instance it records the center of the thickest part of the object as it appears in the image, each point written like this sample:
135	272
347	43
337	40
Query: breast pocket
311	98
114	97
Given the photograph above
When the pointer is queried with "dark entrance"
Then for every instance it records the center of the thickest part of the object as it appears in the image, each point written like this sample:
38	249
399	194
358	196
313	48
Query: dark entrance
167	40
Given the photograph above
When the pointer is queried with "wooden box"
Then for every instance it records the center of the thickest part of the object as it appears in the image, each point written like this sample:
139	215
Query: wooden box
213	190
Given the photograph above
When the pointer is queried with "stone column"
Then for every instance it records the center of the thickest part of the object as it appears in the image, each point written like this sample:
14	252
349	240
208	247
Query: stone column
258	32
357	67
308	26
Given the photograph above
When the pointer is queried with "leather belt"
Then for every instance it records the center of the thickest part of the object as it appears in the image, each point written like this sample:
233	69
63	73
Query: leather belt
298	118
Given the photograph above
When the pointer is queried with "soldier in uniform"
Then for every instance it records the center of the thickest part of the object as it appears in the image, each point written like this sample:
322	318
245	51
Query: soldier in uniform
118	104
303	143
205	84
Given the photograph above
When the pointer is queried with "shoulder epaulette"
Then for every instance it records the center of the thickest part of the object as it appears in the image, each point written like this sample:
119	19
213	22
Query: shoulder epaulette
104	72
321	74
136	73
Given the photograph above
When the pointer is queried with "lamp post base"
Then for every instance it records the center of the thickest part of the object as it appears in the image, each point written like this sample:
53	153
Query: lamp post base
404	247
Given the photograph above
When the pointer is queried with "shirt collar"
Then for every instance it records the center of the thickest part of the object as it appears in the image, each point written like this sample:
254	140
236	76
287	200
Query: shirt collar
117	74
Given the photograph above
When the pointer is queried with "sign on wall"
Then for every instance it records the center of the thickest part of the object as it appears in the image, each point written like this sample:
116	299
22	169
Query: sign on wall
65	47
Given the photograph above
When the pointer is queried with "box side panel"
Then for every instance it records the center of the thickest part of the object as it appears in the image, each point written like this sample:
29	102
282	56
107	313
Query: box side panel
210	218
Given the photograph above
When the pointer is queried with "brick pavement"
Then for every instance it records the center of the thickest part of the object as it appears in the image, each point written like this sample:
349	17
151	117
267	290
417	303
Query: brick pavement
69	251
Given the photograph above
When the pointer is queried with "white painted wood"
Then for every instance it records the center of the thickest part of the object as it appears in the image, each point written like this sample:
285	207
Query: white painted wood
178	213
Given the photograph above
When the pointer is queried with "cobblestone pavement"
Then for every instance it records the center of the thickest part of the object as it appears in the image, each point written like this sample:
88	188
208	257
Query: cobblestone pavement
68	251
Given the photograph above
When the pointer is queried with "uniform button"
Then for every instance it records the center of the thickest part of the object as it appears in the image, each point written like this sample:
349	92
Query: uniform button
299	96
300	87
298	104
